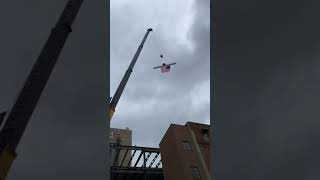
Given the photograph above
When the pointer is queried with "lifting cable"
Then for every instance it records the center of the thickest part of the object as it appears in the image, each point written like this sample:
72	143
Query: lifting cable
157	31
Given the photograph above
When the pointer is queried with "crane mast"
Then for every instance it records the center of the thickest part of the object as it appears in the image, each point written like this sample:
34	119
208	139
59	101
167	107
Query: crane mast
118	93
21	112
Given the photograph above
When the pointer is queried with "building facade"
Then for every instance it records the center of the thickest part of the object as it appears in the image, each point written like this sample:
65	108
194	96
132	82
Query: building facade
122	137
185	152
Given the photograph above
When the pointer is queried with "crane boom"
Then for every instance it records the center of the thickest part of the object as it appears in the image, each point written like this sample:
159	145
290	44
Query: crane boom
118	93
20	114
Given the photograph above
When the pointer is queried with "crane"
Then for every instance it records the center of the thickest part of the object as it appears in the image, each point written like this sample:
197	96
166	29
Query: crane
20	114
118	93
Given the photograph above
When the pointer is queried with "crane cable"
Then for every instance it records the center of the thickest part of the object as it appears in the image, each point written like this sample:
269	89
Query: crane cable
160	43
157	27
157	42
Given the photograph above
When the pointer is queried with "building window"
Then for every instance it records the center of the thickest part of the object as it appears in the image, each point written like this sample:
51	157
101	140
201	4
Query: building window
205	134
206	137
111	135
195	172
186	146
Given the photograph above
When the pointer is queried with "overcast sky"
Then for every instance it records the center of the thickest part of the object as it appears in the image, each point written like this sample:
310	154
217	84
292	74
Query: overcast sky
65	138
152	100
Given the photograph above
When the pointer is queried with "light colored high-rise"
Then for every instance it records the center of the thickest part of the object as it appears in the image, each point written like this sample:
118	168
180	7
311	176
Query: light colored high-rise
122	137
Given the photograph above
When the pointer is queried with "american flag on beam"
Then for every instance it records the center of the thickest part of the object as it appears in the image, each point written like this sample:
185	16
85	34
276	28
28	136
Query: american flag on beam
165	68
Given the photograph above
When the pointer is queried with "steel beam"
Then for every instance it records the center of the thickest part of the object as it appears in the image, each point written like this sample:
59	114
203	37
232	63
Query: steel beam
134	152
125	155
115	163
153	160
137	170
146	149
138	159
158	164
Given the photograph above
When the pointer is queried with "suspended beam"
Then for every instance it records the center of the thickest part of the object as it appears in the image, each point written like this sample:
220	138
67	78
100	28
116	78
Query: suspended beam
164	65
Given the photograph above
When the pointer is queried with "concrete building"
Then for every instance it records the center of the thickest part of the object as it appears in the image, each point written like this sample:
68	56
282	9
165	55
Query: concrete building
122	137
185	152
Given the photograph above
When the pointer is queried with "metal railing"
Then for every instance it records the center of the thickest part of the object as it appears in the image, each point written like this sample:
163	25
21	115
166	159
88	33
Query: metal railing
135	162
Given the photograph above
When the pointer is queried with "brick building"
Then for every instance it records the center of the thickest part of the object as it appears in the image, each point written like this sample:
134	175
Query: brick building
185	152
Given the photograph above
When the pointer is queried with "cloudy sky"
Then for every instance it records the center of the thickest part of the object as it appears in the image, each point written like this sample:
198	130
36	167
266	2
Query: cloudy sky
65	138
151	100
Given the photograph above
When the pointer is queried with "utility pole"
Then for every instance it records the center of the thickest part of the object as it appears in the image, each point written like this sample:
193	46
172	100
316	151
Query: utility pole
126	77
21	112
